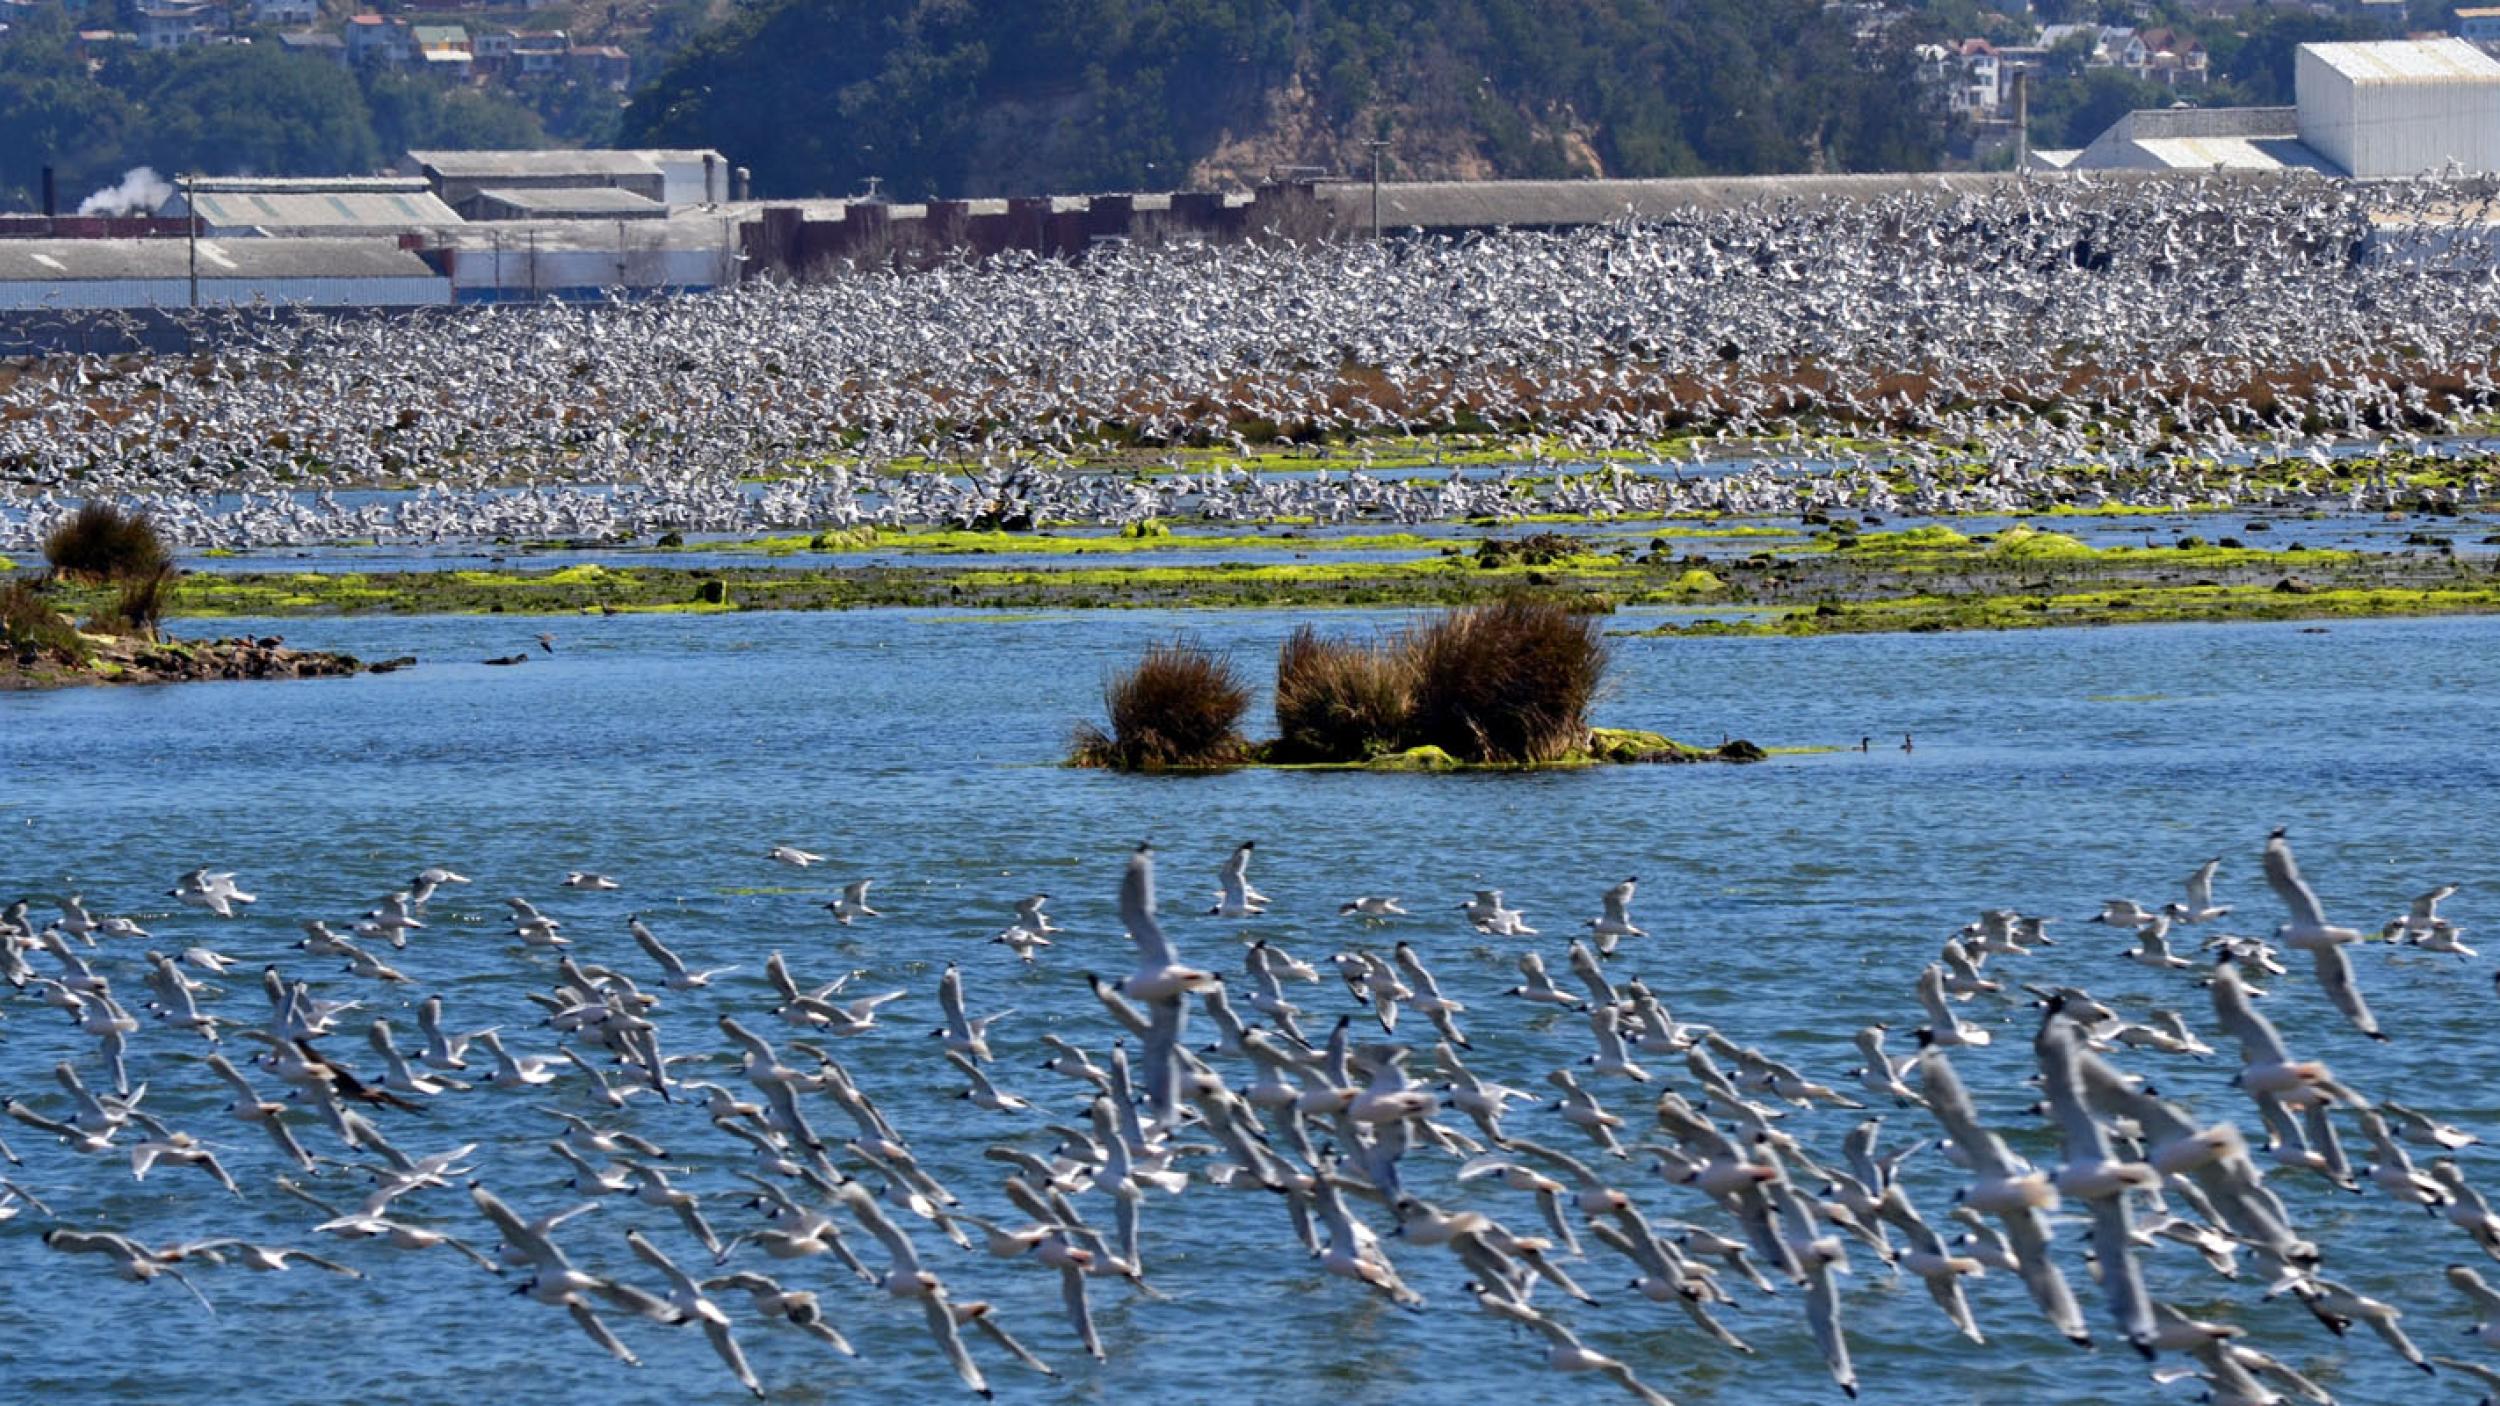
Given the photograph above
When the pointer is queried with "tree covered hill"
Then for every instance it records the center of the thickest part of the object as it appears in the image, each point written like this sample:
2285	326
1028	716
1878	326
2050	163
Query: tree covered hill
967	97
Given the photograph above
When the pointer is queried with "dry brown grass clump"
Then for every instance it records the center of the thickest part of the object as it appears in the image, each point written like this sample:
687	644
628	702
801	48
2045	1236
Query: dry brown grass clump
101	542
1340	700
1507	683
1180	706
30	628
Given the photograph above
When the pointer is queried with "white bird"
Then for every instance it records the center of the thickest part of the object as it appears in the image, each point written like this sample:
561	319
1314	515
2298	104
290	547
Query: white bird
1238	899
2309	931
1615	923
583	879
793	856
1370	907
852	903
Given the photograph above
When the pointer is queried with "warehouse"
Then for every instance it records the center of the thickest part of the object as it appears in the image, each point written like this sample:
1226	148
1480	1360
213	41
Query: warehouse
68	275
673	178
497	261
2367	110
317	206
2400	109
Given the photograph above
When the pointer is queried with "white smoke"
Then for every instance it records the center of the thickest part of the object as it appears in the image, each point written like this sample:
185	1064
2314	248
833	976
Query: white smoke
140	193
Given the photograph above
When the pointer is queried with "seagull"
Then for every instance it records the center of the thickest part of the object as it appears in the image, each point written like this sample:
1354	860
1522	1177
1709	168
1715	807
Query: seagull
2309	931
853	903
674	972
215	892
2199	907
688	1299
793	856
1371	908
582	879
1615	923
1486	912
1238	899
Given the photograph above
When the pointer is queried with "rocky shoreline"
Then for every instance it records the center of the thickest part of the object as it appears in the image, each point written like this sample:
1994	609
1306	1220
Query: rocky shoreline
114	660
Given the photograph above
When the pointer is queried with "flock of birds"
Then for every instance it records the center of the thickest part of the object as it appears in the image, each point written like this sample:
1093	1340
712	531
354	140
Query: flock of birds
2155	344
1671	1177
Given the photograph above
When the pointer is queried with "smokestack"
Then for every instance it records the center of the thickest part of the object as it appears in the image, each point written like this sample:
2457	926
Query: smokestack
743	185
51	195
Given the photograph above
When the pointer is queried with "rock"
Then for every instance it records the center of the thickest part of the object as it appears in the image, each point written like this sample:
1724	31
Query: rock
392	666
269	642
2294	586
713	592
1740	750
510	659
671	539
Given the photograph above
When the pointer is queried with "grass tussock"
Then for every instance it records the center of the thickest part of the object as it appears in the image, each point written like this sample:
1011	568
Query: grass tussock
140	604
101	542
1506	683
1341	700
1179	707
32	630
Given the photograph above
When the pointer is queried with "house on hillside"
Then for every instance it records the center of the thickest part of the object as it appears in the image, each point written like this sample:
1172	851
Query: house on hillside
289	14
2173	58
378	41
164	28
315	43
605	65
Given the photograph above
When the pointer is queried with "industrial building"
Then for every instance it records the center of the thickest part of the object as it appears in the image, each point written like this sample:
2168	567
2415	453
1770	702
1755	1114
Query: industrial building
2365	110
267	206
139	275
676	179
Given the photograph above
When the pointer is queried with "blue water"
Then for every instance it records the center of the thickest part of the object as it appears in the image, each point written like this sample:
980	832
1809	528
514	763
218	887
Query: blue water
1788	903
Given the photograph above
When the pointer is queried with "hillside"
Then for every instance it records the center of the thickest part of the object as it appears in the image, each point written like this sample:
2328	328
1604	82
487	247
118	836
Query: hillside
944	97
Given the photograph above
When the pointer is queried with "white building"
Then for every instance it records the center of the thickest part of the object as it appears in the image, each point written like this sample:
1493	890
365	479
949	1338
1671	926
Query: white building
292	14
2367	110
2400	108
65	275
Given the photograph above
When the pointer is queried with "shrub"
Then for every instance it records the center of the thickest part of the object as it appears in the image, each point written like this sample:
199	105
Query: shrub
1180	706
30	627
100	542
1340	700
1509	683
141	604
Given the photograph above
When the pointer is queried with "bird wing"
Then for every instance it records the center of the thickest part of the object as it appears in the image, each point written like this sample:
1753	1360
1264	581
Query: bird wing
1137	910
669	961
899	1246
942	1327
518	1233
2259	1040
2082	1137
2335	974
2122	1276
2283	876
1080	1312
1823	1316
2027	1234
1951	1104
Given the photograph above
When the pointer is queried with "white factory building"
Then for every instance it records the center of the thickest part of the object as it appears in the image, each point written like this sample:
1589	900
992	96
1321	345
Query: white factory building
169	275
2367	110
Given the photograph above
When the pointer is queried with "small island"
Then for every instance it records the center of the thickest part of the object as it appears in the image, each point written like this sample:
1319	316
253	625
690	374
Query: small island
1506	686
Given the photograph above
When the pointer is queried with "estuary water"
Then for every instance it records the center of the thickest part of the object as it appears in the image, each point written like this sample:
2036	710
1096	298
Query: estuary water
1788	903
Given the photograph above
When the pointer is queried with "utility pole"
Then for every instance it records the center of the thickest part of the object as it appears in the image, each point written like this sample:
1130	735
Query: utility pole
1377	145
2022	118
191	212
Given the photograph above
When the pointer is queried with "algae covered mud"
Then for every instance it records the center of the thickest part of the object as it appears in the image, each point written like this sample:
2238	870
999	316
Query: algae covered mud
1832	577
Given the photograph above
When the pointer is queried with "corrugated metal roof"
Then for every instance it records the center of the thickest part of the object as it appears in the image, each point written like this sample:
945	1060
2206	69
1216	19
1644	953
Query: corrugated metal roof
486	165
309	183
2283	153
84	260
370	210
573	200
2408	61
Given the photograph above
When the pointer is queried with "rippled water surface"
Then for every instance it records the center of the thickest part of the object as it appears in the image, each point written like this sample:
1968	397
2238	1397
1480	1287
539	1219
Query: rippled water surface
1788	904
